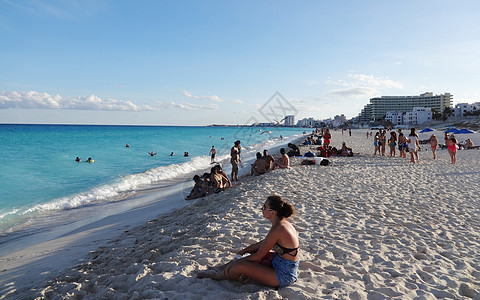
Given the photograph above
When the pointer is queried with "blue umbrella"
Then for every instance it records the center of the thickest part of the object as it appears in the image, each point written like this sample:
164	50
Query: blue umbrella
464	131
452	130
426	130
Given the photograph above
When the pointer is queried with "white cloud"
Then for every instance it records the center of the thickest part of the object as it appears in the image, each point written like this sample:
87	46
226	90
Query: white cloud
213	98
372	81
34	99
361	86
356	92
187	106
238	101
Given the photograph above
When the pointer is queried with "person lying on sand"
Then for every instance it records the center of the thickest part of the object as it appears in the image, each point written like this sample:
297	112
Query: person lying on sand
275	269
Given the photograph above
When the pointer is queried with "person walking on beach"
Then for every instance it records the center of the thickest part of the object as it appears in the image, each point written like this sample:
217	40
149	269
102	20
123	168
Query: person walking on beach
413	145
275	269
451	144
434	144
235	159
212	153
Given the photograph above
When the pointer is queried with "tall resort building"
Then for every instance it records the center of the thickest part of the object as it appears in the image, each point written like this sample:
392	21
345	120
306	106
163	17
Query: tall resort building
378	107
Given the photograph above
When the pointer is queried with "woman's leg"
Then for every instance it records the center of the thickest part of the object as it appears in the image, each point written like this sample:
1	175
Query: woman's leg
235	269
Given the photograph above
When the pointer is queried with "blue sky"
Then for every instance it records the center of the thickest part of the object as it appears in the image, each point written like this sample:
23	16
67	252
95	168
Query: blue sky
205	62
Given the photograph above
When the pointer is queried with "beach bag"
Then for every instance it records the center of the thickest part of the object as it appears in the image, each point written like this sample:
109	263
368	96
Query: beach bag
325	162
309	154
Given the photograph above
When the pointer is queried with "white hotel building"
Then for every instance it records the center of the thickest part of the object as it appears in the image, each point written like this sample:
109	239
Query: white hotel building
378	107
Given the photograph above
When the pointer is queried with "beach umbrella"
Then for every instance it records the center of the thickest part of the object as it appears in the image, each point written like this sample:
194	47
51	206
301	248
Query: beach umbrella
426	130
452	130
464	131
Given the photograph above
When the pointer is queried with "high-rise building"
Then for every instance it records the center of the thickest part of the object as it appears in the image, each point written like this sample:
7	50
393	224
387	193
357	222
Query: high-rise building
378	107
290	120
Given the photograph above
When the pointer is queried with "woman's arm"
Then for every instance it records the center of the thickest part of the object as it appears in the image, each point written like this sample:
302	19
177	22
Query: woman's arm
251	249
266	245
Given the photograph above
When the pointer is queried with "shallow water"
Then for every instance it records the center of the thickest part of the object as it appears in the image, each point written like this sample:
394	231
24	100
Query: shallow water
40	178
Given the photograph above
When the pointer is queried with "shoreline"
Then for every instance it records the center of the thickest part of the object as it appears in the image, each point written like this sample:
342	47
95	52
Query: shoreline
48	252
369	226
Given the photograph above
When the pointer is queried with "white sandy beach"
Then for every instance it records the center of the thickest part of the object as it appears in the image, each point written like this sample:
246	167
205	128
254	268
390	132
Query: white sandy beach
370	227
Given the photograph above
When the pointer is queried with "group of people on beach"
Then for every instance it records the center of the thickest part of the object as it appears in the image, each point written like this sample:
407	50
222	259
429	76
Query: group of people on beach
411	144
323	138
267	162
209	183
217	180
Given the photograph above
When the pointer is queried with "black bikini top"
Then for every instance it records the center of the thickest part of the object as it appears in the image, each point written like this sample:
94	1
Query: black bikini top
282	250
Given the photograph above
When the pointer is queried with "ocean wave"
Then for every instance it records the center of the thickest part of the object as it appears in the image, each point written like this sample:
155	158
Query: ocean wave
129	185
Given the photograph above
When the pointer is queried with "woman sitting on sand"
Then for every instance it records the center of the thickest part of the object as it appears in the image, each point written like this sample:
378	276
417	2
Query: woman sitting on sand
276	269
283	162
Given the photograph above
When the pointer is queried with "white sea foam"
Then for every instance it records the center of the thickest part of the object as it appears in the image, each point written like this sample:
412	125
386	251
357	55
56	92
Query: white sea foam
128	185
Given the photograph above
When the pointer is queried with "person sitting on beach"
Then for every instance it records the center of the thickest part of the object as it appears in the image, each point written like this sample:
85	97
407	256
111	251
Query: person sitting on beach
260	166
451	143
345	151
283	162
295	151
433	145
197	190
207	184
152	153
275	269
469	144
268	158
219	179
78	159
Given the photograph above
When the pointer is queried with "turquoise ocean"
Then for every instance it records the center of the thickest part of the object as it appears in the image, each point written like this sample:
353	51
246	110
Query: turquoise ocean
41	184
